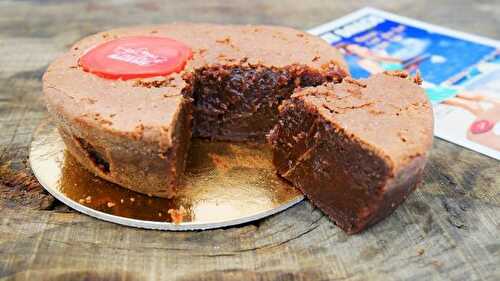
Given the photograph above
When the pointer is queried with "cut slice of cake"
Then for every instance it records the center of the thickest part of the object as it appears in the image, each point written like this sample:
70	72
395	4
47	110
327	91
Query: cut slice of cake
355	149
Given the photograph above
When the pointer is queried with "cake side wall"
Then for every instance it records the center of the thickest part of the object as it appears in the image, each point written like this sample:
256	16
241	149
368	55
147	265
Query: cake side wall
133	164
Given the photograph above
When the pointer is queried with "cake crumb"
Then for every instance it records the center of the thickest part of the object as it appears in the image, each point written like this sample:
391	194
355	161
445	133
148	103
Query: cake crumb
420	252
355	82
110	204
154	83
397	73
225	40
138	132
177	215
417	79
402	136
219	161
88	199
375	112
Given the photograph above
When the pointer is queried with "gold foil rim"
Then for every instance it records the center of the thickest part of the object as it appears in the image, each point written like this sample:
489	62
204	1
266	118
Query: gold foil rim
223	182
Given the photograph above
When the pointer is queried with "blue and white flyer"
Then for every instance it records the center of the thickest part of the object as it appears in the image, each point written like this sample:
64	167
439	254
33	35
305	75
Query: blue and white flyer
461	72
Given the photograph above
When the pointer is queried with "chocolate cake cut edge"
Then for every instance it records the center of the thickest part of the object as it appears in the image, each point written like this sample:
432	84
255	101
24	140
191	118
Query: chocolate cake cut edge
240	103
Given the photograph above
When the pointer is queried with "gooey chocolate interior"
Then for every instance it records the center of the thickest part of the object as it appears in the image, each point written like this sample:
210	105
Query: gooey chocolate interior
238	103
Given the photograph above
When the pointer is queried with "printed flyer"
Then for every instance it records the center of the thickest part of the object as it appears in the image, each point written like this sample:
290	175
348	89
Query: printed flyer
461	72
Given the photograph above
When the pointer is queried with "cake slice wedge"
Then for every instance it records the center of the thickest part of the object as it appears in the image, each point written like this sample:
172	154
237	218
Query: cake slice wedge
356	149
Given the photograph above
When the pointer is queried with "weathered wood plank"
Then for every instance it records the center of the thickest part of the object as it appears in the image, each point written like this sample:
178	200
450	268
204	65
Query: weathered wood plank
448	229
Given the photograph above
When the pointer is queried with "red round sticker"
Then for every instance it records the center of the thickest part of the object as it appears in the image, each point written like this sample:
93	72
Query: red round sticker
481	126
136	57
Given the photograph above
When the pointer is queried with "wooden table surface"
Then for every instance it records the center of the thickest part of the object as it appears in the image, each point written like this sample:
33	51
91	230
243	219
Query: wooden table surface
448	229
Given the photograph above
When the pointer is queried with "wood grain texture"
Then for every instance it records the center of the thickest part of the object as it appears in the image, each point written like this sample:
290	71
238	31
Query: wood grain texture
449	229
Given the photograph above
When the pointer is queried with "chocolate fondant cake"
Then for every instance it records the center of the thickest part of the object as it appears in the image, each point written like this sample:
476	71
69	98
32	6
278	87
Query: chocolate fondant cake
128	101
218	82
356	149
